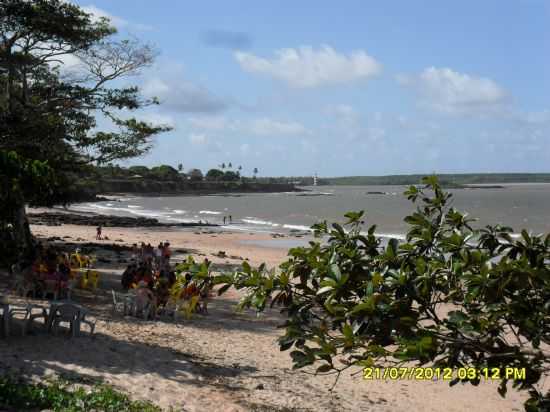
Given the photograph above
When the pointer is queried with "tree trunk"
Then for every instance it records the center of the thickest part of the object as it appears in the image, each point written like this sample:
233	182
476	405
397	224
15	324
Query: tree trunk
22	231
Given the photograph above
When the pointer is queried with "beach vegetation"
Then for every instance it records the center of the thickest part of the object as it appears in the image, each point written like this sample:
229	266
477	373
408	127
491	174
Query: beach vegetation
59	395
195	175
448	296
215	174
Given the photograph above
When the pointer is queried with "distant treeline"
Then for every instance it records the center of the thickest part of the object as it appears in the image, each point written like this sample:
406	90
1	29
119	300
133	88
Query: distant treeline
446	179
165	179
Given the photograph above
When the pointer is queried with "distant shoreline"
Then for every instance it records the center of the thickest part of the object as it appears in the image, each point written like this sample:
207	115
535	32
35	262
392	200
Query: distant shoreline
465	179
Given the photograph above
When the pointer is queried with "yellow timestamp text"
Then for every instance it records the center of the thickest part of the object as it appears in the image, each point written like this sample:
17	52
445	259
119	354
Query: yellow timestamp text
446	374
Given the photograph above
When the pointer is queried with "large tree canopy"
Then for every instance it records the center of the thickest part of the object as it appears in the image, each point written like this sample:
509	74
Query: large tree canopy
47	111
50	113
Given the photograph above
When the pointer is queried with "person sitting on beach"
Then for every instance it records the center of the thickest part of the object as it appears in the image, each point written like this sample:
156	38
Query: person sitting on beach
159	251
128	276
171	278
167	253
148	253
135	252
145	298
141	251
162	292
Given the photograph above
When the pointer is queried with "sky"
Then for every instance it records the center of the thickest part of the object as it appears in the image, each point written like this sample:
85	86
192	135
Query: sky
345	88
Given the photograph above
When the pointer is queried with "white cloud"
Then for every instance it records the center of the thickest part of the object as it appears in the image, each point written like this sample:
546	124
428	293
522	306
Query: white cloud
204	142
180	95
197	139
343	112
213	123
449	91
308	67
269	127
258	127
159	119
97	14
118	22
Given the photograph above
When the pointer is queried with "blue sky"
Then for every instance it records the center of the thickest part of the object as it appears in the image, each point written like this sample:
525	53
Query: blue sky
346	88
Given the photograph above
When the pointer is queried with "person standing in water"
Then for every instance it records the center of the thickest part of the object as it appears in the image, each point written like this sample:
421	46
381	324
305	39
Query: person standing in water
224	220
230	219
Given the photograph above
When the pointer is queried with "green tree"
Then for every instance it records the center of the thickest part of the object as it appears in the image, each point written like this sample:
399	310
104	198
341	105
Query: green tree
164	172
48	114
214	174
21	180
255	172
448	297
142	171
195	175
180	167
231	176
229	166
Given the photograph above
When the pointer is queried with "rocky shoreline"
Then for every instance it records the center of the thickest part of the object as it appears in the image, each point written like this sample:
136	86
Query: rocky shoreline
57	219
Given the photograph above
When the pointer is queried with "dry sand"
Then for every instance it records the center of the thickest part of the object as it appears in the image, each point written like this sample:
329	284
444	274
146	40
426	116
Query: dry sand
223	361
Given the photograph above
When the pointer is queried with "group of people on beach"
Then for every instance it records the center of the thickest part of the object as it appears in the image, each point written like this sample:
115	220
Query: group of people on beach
150	273
51	270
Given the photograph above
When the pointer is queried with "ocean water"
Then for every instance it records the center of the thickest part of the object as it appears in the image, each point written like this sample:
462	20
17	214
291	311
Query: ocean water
516	205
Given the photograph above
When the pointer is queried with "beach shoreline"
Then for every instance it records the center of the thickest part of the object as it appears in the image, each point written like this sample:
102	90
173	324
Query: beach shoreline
223	361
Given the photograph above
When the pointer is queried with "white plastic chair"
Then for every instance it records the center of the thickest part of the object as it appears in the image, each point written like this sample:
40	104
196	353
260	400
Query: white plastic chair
30	316
67	313
90	323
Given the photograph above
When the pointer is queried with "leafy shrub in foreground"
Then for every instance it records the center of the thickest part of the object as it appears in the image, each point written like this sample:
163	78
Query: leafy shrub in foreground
22	395
449	296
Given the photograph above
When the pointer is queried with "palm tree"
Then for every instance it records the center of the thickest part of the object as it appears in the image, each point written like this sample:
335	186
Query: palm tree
229	165
222	166
180	167
240	168
255	172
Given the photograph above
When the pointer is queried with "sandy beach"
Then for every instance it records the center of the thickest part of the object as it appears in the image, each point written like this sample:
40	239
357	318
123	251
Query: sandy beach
221	361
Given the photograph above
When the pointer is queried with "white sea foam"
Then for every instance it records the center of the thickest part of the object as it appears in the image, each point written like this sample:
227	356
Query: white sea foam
298	227
398	236
209	212
105	209
244	228
254	221
179	212
135	207
179	220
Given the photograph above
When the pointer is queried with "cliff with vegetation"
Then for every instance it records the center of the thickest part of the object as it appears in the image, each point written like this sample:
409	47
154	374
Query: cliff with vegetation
167	180
153	187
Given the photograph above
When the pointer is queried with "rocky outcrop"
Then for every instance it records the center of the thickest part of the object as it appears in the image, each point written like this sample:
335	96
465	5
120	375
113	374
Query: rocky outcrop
56	219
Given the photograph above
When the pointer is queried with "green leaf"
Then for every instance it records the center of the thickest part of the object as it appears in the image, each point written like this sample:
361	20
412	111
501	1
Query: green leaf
324	368
325	289
347	330
223	289
335	272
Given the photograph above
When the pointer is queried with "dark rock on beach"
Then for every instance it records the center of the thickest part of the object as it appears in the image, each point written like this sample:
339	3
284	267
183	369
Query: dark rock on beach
56	219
